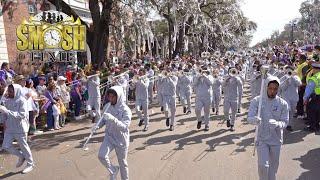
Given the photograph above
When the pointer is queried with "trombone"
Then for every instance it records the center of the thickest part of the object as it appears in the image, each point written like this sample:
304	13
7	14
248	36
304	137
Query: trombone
111	79
136	78
284	79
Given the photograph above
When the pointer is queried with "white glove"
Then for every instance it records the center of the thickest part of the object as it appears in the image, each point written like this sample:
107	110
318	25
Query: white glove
257	120
3	109
95	128
273	123
108	116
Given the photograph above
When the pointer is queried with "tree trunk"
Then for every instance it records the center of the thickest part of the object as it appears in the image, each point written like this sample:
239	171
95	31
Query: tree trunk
170	29
183	30
98	36
180	42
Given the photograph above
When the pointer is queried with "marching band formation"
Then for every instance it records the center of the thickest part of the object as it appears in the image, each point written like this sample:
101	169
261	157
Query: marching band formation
284	83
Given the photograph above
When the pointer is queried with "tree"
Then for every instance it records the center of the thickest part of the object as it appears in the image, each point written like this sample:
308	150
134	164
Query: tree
98	33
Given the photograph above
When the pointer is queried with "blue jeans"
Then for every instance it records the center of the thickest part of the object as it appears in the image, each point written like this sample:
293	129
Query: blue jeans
50	120
78	103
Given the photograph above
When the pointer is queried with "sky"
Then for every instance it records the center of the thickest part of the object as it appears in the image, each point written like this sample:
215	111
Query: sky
270	15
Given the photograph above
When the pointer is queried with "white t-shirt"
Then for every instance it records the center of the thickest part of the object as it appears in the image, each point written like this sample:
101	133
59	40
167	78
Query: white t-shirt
30	102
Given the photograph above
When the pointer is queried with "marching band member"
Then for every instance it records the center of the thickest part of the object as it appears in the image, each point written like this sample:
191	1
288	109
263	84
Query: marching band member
217	91
14	115
160	90
185	82
117	120
123	82
241	75
274	118
94	100
255	80
232	90
142	101
203	89
150	74
289	92
169	98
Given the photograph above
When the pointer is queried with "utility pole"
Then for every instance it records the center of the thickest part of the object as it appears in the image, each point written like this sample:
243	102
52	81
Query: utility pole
292	29
169	33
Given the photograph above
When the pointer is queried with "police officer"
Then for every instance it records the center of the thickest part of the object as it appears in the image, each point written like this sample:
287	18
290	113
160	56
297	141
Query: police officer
312	98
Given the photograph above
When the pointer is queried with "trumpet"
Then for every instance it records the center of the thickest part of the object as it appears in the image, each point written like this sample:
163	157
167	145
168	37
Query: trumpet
187	73
233	72
242	53
217	54
228	54
250	52
290	72
205	73
136	78
205	55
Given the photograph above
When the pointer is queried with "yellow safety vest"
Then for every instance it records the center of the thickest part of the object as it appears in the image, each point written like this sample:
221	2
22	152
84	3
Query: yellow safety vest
316	79
299	69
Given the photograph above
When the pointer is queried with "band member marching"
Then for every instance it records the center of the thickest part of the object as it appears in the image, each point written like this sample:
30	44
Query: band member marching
274	118
232	88
203	89
117	120
142	101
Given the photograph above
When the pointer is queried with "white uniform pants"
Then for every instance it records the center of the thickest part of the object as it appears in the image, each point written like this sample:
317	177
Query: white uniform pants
268	160
121	152
205	104
150	91
227	105
142	104
23	144
292	108
160	98
185	97
169	102
239	101
216	99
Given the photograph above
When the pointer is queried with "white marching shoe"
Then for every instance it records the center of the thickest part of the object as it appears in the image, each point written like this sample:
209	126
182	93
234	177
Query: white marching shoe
28	169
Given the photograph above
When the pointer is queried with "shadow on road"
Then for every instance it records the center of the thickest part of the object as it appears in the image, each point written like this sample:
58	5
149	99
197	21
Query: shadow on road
132	138
310	162
10	174
47	135
49	142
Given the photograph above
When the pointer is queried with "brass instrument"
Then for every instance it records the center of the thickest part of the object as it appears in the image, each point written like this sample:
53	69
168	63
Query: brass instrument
187	73
233	72
289	73
217	54
250	52
242	53
205	55
228	54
